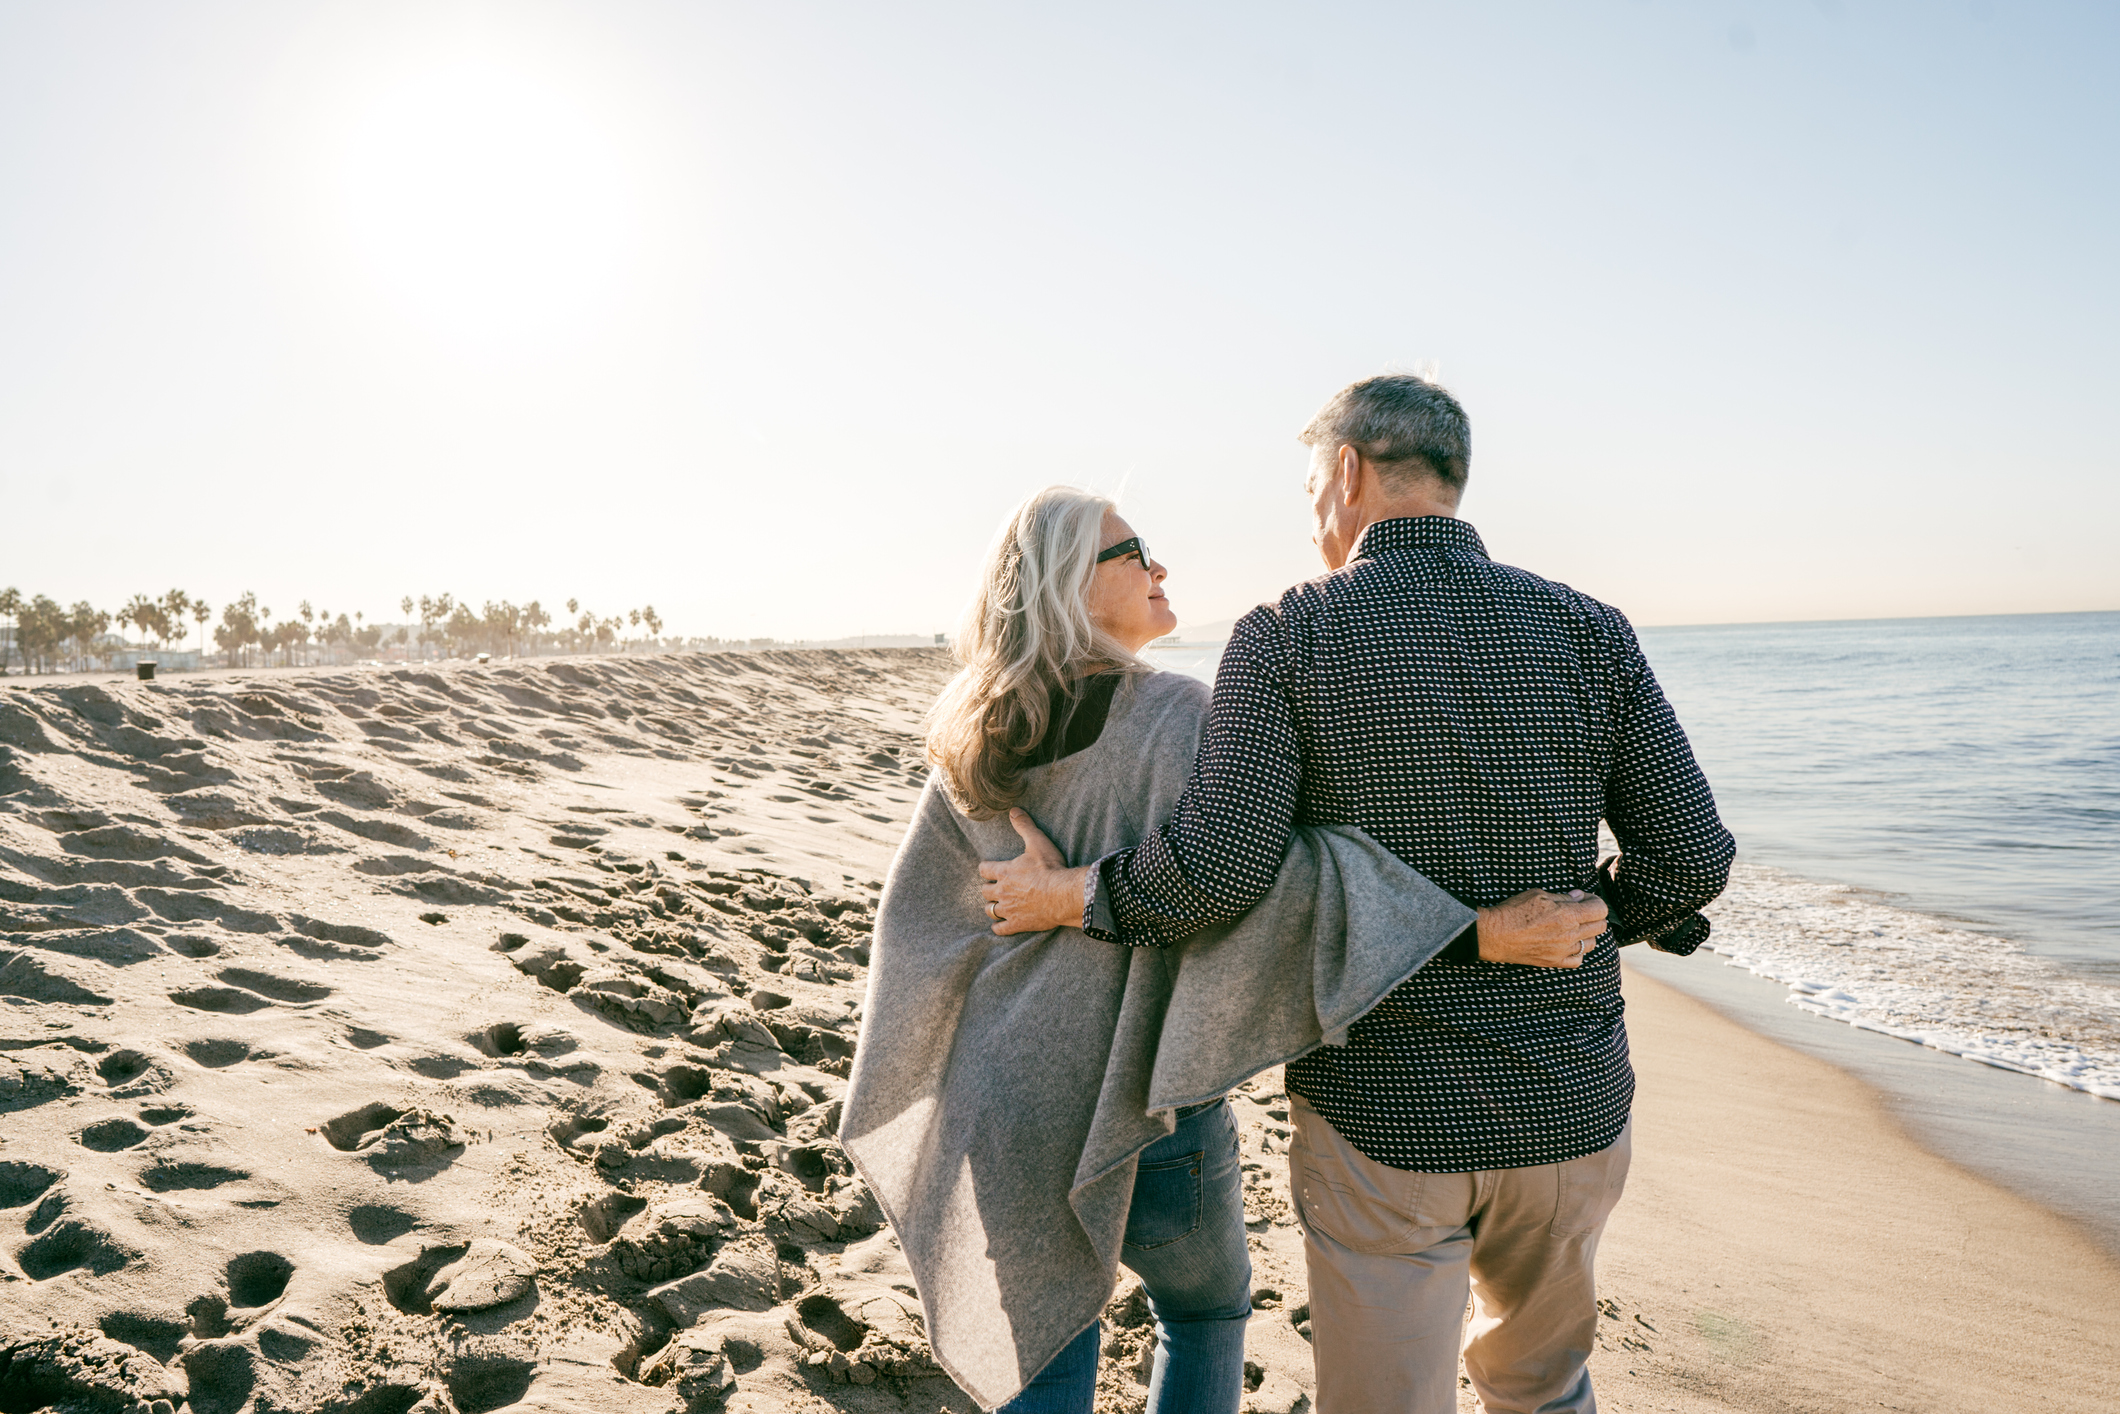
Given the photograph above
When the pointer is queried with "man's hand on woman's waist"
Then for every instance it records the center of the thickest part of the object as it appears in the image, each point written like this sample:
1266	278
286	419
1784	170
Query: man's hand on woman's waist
1036	890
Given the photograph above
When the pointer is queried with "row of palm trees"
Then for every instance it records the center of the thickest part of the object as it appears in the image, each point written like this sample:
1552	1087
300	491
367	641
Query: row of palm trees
47	637
508	630
46	634
311	635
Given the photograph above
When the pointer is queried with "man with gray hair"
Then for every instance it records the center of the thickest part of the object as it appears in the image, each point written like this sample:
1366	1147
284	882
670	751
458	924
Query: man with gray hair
1478	721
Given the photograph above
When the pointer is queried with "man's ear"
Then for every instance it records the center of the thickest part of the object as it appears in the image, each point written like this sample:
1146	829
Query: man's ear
1350	476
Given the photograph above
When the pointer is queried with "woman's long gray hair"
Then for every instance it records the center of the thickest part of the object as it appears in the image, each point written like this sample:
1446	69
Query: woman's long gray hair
1027	633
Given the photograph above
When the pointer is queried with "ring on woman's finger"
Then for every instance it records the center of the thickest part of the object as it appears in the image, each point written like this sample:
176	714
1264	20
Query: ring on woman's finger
992	913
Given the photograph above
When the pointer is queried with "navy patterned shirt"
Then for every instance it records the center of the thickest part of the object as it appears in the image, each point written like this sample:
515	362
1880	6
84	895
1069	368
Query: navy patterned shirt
1478	721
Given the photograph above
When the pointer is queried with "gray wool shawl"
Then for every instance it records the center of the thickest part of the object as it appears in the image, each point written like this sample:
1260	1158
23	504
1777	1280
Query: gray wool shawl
1004	1088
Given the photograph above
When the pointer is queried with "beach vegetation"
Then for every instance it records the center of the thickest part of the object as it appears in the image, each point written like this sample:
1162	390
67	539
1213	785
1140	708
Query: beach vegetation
40	635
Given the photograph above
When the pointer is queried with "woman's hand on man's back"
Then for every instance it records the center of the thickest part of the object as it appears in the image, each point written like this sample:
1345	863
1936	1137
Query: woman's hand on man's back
1541	929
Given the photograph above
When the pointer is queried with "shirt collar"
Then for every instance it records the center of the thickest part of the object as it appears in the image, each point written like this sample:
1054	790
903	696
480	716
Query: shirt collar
1412	535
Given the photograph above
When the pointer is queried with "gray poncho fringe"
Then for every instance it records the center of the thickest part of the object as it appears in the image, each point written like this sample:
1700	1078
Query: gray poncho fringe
1003	1088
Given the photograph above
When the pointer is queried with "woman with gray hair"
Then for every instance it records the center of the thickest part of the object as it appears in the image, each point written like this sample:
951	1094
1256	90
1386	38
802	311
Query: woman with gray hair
1034	1110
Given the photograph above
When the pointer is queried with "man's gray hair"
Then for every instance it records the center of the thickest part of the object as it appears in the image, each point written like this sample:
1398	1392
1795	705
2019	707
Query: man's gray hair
1402	423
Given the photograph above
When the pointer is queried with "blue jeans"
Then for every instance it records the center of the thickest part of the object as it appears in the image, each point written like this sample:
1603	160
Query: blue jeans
1185	1240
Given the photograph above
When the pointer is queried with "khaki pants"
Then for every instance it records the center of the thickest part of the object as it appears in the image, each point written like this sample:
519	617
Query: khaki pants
1391	1255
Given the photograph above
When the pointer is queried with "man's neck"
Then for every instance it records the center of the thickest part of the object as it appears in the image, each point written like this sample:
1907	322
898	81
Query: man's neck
1407	506
1403	508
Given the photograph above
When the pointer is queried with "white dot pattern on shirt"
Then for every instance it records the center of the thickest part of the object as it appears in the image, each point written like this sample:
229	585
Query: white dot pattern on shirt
1478	721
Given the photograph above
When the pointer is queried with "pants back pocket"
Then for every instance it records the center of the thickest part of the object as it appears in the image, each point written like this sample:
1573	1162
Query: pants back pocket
1166	1202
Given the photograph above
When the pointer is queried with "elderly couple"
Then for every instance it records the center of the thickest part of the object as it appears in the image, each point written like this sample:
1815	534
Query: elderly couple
1372	855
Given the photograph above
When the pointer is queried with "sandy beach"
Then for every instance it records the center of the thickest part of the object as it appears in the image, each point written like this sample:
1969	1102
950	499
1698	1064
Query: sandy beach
465	1038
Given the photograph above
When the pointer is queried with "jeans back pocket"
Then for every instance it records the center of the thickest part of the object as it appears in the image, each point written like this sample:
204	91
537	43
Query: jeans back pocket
1166	1202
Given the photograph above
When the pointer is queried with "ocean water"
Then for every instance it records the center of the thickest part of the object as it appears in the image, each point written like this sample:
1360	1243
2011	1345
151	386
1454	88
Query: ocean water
1968	767
1928	823
1928	818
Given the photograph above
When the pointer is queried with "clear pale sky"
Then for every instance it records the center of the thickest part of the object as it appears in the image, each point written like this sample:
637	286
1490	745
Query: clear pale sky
766	314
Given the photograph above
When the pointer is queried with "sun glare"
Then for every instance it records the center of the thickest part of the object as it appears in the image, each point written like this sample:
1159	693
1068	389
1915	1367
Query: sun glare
489	204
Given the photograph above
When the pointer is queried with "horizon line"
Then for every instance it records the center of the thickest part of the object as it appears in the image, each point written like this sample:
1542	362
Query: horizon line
1773	623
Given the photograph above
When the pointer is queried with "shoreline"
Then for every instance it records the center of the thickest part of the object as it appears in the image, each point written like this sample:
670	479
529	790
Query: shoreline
2047	1143
1848	954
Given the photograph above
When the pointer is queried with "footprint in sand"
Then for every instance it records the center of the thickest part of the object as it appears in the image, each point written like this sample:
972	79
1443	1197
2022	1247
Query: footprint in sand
209	1316
352	934
568	1131
335	942
436	1067
481	1383
130	1072
178	906
249	991
217	1054
188	1176
392	1139
159	1336
221	1377
23	1183
257	1279
602	1217
357	1127
110	1136
225	1000
71	1246
407	1286
268	984
501	1039
282	1346
376	1224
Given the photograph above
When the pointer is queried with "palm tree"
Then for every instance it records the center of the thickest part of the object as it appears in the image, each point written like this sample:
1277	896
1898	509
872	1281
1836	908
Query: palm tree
138	613
201	611
239	628
84	625
436	610
41	627
11	605
175	605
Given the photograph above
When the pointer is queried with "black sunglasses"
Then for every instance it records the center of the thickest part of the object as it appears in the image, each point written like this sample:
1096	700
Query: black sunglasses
1130	546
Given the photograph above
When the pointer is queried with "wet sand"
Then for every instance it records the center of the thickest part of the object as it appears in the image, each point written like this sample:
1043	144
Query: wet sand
1785	1245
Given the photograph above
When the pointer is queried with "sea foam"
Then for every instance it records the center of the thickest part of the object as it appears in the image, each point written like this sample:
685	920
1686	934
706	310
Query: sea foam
1846	954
